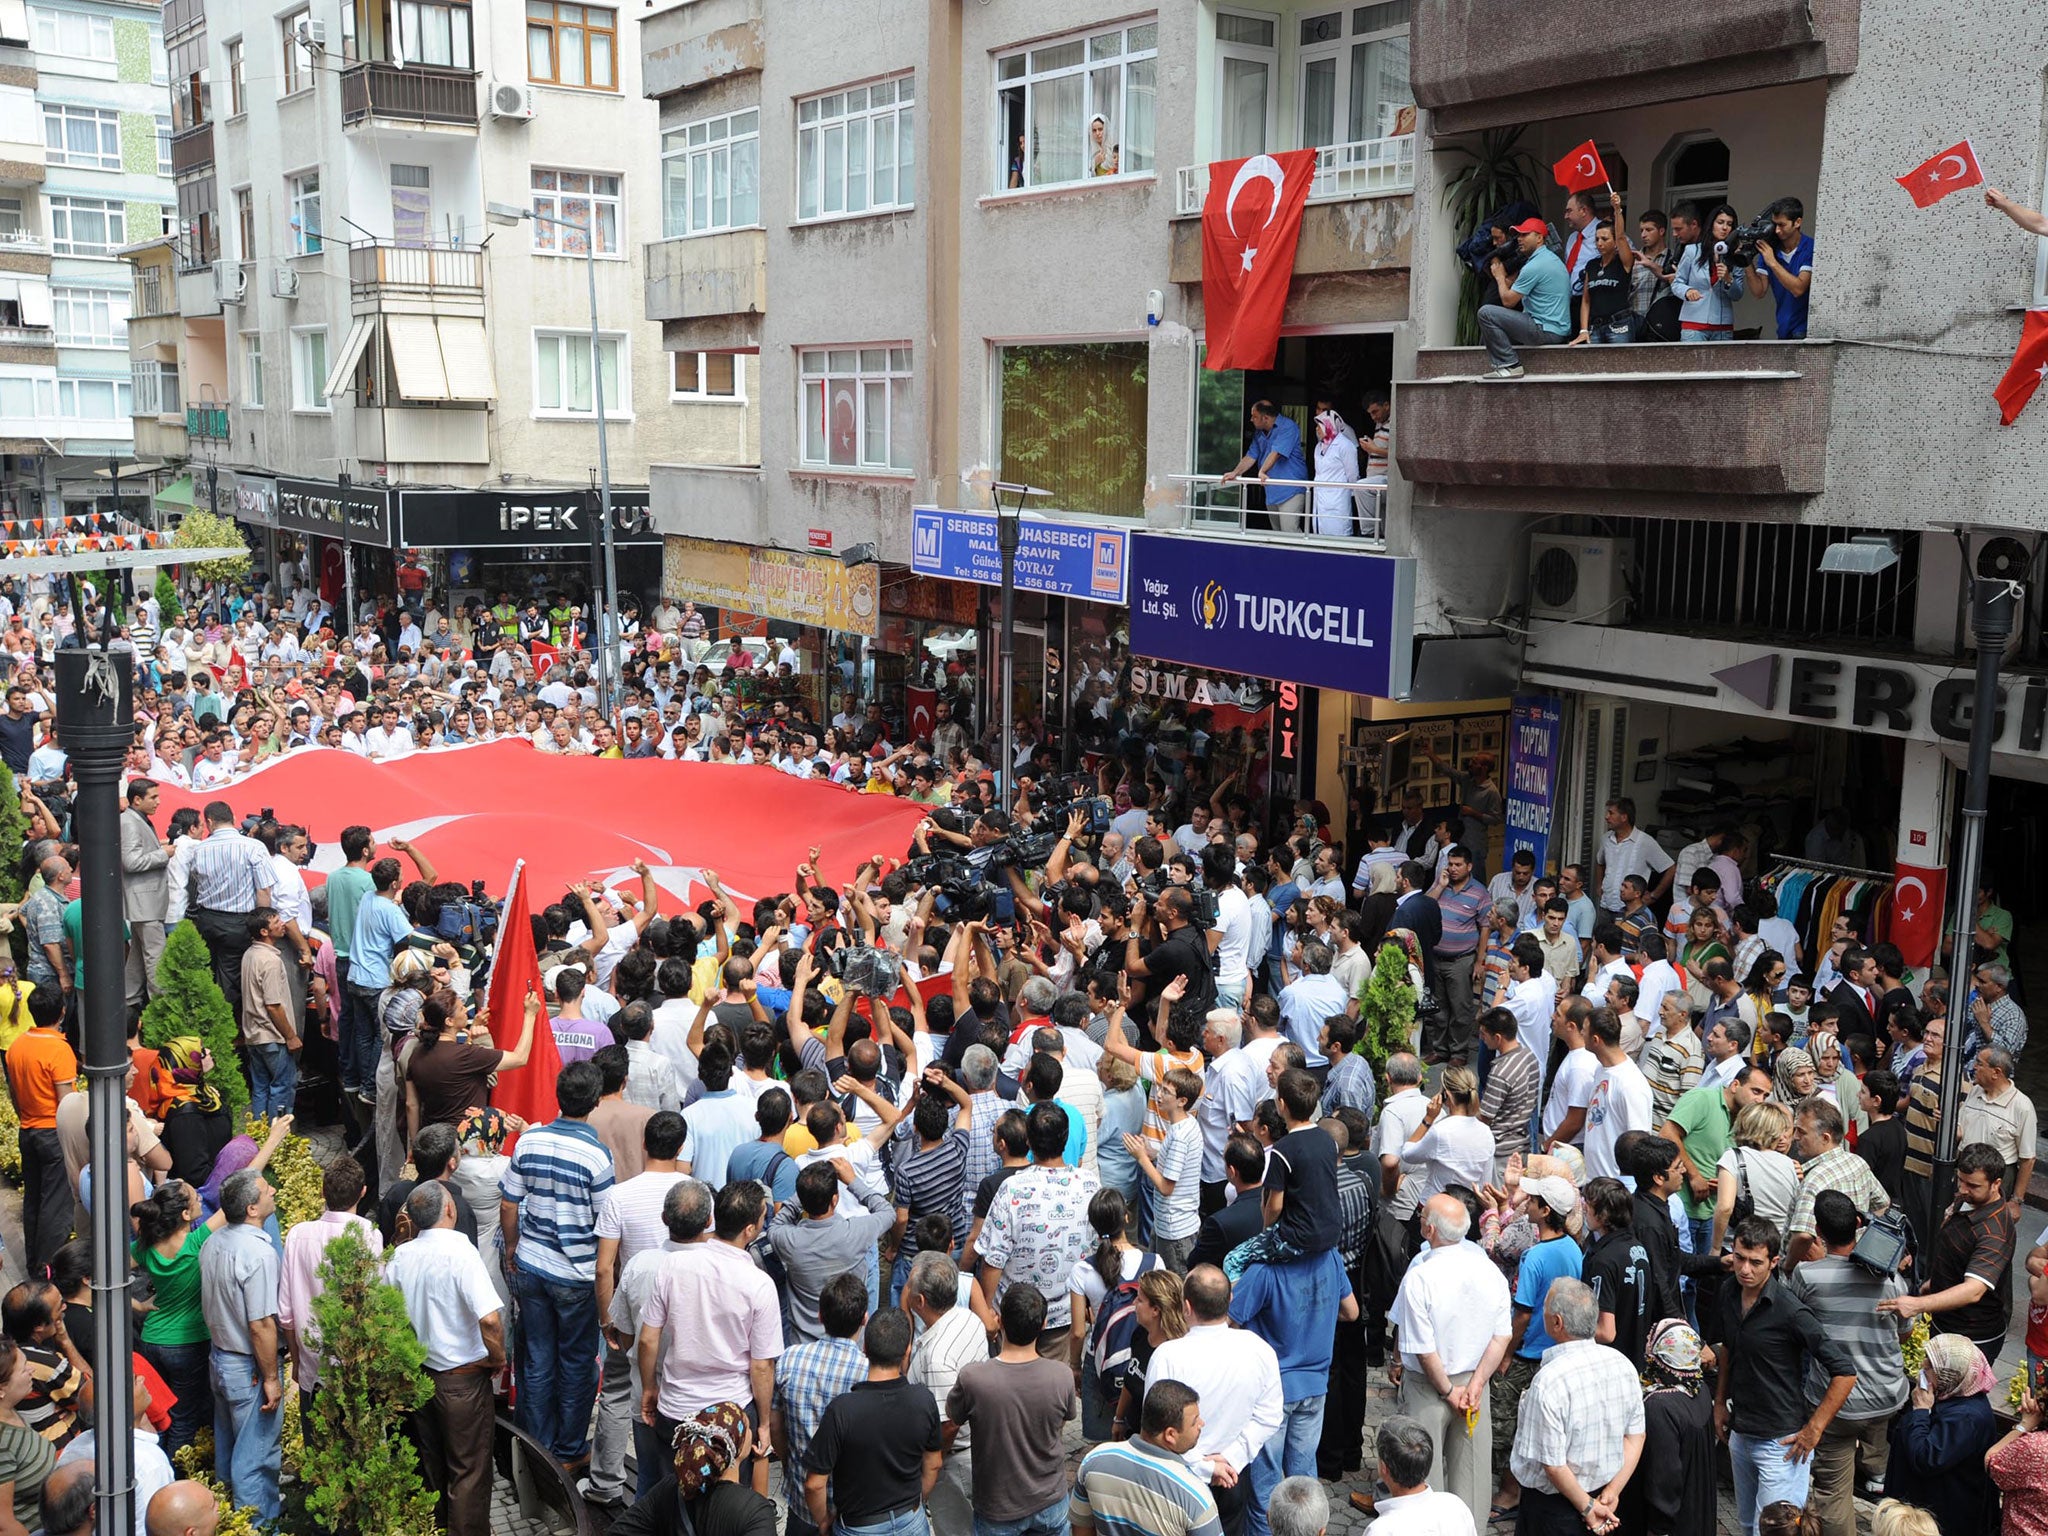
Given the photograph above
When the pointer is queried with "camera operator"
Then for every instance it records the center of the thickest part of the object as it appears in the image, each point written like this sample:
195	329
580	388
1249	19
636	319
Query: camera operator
1784	267
1535	302
1182	950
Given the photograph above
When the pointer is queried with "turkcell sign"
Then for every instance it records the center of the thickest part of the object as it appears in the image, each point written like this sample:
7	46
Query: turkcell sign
1058	558
1314	614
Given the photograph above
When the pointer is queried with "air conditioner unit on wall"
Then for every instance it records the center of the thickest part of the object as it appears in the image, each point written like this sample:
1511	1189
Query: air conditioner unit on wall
284	281
312	32
511	99
1579	578
230	281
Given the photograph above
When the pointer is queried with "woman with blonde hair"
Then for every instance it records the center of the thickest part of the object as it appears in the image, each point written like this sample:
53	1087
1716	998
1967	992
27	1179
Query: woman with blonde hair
1452	1143
1895	1517
1162	1314
1755	1177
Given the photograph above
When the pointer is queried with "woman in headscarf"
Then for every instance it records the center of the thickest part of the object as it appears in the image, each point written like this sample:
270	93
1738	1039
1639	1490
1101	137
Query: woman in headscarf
1938	1443
1336	470
1793	1077
483	1134
1678	1439
401	1006
1102	157
197	1125
704	1494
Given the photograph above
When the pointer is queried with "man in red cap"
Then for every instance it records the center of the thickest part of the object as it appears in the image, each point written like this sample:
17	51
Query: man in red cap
1535	303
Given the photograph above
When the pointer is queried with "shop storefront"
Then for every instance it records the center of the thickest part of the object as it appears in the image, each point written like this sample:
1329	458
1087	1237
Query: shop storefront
529	543
1325	635
832	611
324	526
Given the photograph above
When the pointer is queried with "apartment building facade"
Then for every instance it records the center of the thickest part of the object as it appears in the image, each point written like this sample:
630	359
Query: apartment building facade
973	262
84	136
392	368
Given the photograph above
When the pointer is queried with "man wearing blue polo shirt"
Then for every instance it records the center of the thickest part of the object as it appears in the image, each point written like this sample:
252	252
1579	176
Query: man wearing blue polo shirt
1784	266
1535	304
1275	453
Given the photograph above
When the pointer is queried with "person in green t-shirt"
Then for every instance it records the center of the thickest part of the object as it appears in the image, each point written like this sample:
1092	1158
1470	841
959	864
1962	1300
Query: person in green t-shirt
1703	1124
347	889
1994	928
74	937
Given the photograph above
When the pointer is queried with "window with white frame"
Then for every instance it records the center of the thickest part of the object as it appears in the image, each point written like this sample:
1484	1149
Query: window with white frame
95	399
245	223
163	146
1077	108
73	34
252	371
82	136
237	80
159	59
706	376
711	175
1247	81
18	398
856	407
298	51
562	383
309	369
13	219
586	199
1354	74
305	191
156	388
87	226
90	317
856	150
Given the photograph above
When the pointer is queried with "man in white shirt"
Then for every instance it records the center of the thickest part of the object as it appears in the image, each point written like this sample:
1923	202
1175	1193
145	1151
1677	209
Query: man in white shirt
1233	924
1311	997
1531	998
1192	835
152	1468
1237	1376
1452	1320
1571	1086
1621	1099
1657	977
951	1337
1628	850
1517	883
458	1317
1410	1507
1605	964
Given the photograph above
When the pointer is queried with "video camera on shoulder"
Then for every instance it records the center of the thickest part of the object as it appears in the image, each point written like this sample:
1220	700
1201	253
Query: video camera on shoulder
473	920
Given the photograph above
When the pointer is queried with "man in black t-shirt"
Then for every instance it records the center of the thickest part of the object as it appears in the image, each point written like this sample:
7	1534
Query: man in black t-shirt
1617	1266
1182	951
877	1449
17	732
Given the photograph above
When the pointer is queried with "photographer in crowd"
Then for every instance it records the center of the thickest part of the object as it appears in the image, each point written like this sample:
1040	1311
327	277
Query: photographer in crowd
1783	267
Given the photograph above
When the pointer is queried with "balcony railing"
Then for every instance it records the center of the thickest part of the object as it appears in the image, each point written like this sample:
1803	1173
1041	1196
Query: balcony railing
207	421
376	266
1366	168
27	336
192	150
1218	506
23	240
418	93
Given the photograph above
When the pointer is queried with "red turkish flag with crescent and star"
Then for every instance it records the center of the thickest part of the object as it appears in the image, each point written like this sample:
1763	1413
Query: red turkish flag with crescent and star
1581	170
2029	368
1918	898
527	1091
1251	220
1950	171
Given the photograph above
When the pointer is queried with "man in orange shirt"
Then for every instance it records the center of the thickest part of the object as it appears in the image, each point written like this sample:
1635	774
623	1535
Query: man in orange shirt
41	1069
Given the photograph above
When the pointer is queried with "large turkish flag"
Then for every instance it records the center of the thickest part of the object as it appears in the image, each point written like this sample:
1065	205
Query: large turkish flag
1918	896
1251	220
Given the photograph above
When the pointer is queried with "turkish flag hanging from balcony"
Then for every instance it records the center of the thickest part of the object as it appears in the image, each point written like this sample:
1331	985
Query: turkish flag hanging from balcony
1950	171
1581	170
2029	367
1251	220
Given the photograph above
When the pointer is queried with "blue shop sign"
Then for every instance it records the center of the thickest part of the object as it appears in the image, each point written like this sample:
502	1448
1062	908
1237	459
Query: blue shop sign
1316	615
1058	558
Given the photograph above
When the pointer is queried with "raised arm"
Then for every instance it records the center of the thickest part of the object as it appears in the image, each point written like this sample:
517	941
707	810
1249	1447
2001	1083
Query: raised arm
420	862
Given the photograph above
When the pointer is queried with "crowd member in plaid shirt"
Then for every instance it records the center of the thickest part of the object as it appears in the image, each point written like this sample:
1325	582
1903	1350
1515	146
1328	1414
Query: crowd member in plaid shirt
808	1377
1817	1142
1579	1429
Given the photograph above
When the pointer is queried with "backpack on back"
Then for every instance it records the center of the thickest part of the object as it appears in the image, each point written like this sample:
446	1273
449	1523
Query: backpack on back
1115	1327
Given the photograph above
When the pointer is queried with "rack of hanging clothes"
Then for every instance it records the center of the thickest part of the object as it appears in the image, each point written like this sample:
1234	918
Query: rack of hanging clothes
1810	895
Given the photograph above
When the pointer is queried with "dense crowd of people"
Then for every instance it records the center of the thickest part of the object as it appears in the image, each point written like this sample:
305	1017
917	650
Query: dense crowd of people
864	1205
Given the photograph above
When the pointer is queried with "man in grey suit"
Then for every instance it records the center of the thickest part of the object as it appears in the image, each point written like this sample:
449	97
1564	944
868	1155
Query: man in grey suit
146	892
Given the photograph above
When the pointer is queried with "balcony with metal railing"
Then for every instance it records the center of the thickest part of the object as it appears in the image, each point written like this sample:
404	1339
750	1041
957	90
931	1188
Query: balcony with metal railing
192	151
390	277
1359	213
207	422
417	95
1350	513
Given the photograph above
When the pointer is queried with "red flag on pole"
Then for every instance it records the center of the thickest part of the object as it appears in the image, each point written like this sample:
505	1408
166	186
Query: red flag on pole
1581	170
527	1091
1251	220
2029	368
544	657
1950	171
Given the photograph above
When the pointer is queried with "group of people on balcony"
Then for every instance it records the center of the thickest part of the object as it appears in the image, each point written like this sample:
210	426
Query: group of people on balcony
1680	283
1342	501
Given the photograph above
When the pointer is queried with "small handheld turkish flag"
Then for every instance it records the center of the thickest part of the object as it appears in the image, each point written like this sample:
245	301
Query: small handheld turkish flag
1581	169
1950	171
2029	368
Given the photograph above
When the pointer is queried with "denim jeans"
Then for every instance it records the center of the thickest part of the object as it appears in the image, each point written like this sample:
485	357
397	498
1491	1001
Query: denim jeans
187	1371
1050	1521
905	1522
557	1364
1763	1476
245	1434
362	1034
358	1074
1290	1453
273	1080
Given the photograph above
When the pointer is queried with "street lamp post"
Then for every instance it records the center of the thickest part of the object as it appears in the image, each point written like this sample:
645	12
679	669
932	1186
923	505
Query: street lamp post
608	623
1991	609
1006	542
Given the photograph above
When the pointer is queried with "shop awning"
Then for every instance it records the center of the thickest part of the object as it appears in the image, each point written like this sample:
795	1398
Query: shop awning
415	347
177	494
341	375
466	358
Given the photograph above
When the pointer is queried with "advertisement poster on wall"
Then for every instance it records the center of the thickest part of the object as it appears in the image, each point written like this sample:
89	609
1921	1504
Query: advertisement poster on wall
1535	729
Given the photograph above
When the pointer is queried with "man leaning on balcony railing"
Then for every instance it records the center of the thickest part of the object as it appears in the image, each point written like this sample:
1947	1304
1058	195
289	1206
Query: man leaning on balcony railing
1535	303
1275	450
